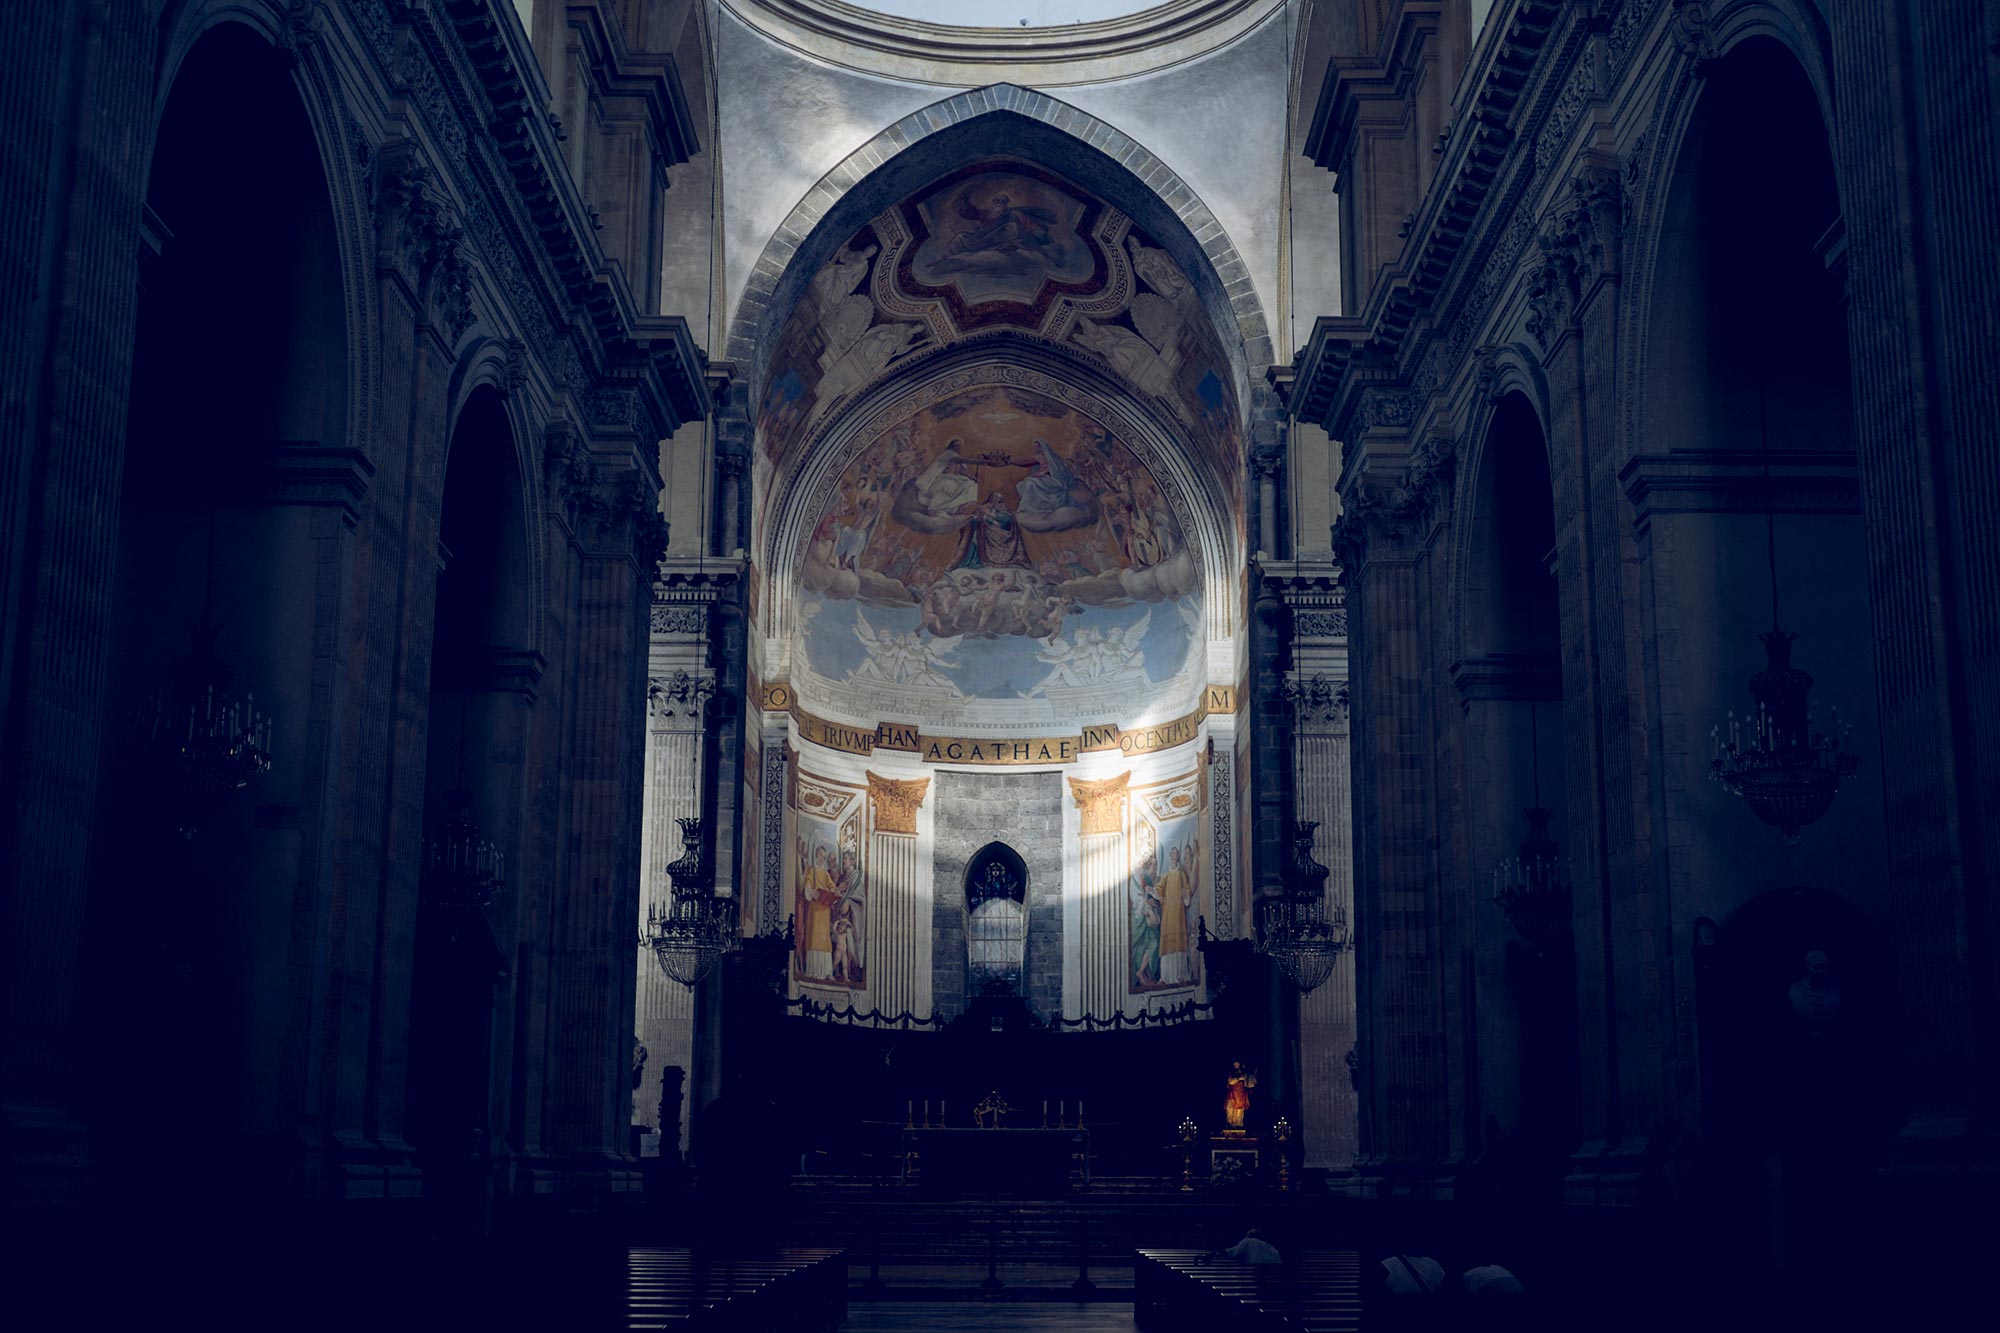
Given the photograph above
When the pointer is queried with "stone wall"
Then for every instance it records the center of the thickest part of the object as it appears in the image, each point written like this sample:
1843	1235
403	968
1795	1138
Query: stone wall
1023	811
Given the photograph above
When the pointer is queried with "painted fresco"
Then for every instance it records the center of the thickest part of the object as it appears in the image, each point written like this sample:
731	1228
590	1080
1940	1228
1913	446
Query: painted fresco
829	885
1001	244
1164	891
998	545
999	236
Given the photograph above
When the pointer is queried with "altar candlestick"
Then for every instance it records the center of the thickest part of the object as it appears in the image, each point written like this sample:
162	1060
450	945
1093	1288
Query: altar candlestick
1045	1113
1062	1113
927	1113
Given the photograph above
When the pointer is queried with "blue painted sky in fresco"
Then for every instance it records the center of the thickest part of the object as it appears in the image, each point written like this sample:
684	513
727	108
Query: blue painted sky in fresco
1000	668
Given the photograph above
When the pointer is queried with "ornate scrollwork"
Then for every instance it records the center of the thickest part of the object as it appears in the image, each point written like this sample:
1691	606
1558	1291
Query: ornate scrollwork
678	619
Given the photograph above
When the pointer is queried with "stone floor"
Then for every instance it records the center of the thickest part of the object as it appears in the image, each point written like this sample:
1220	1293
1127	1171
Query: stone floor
980	1317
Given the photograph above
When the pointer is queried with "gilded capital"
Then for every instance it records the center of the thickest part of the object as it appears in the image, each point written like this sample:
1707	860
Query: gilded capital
896	802
1102	802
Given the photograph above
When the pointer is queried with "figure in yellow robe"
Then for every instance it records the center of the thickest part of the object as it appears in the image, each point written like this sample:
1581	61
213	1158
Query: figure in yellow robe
817	894
1176	900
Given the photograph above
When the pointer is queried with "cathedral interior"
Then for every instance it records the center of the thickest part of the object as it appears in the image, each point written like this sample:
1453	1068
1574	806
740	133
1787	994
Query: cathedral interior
793	664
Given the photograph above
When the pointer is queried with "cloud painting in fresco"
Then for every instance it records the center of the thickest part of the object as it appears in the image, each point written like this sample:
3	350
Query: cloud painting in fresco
998	546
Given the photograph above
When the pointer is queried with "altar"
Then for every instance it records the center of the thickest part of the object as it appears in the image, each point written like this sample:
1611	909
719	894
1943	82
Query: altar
1022	1163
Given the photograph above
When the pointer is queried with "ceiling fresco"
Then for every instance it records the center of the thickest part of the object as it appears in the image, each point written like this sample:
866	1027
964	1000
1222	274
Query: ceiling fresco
999	557
1000	244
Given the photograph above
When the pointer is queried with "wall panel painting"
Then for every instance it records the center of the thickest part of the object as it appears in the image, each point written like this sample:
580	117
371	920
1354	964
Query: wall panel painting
1166	889
829	874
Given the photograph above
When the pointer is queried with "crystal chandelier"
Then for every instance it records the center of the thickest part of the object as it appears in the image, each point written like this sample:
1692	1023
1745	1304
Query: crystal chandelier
207	740
461	867
1532	886
1786	770
690	935
1302	936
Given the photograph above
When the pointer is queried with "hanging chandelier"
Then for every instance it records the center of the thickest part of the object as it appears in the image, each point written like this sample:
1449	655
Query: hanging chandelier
1302	936
690	935
206	739
1785	769
461	866
1775	759
1532	886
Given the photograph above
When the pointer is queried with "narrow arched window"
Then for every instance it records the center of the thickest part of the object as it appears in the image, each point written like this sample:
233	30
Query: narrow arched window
996	920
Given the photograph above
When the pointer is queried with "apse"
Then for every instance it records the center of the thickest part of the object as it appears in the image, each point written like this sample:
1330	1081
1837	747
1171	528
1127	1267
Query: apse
997	490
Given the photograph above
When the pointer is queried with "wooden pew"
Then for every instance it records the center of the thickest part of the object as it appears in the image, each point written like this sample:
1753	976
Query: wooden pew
794	1289
1319	1291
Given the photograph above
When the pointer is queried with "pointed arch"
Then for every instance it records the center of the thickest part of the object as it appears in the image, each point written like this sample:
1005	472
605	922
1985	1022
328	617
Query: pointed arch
1021	122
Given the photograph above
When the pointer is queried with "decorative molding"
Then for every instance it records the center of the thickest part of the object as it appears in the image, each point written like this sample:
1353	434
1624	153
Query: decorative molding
1101	803
1176	799
776	766
896	802
1222	839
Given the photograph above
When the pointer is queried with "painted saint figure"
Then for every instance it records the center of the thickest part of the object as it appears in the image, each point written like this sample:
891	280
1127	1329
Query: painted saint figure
1176	894
817	894
1236	1097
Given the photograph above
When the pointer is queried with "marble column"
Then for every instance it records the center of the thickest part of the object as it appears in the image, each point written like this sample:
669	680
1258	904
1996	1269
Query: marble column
899	937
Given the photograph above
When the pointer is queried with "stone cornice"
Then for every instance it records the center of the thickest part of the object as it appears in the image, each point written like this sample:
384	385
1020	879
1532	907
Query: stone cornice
651	77
1315	594
1351	81
508	77
1735	481
1507	676
1474	153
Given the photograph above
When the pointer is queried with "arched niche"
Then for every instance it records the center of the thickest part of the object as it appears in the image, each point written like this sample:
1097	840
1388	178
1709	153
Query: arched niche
239	367
1509	681
996	921
483	674
1748	475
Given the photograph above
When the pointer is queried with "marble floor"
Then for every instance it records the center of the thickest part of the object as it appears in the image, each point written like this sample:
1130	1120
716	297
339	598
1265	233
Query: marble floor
980	1317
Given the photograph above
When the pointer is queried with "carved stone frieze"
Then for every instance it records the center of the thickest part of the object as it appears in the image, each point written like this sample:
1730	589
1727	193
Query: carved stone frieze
896	802
670	619
1326	624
